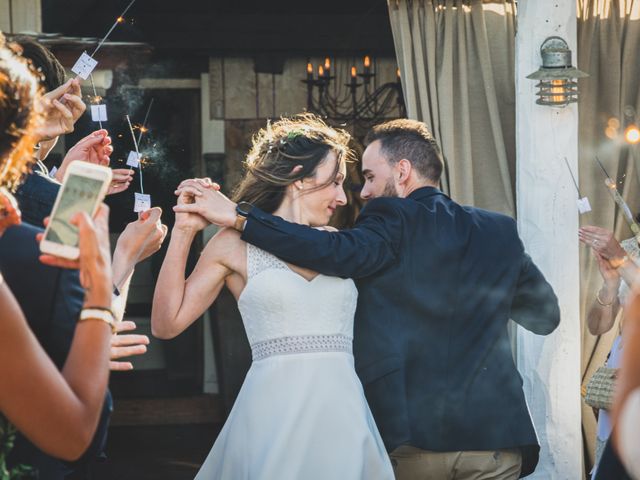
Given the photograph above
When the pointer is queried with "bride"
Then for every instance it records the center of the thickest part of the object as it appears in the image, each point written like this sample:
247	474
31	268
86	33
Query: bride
301	412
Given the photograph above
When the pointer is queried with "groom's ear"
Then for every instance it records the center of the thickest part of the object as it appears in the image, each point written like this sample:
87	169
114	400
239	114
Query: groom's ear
403	170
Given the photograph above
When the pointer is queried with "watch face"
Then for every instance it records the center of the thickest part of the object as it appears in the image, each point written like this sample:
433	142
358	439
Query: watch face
244	208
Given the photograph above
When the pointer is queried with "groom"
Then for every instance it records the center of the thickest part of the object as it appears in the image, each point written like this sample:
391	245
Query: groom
437	285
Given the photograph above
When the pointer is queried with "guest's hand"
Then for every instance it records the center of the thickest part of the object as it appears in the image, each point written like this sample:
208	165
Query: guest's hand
94	148
601	241
9	212
94	261
60	108
142	238
610	275
122	178
196	197
126	346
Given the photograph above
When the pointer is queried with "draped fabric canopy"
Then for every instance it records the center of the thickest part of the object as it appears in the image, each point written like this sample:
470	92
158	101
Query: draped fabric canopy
457	65
457	61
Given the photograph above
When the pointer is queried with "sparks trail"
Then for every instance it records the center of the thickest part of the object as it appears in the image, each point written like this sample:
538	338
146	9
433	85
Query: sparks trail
119	20
626	211
143	128
135	144
96	98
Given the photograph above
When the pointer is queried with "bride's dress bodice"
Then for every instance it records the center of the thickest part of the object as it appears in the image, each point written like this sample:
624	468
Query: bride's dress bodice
301	412
279	303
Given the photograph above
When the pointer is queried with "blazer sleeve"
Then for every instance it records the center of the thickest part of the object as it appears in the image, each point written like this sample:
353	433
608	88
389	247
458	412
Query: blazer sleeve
364	250
535	305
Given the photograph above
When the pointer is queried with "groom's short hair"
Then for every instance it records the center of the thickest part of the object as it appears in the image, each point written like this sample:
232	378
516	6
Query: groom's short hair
412	140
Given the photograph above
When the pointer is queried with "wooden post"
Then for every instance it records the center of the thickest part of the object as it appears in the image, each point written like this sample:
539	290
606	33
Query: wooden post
548	225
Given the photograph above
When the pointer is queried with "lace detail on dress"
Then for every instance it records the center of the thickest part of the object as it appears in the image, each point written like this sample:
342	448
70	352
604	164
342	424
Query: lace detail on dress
259	260
302	344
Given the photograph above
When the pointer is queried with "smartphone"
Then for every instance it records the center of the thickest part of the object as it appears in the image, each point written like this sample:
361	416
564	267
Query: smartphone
83	188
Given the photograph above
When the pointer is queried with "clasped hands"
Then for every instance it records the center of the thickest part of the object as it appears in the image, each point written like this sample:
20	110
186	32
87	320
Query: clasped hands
200	203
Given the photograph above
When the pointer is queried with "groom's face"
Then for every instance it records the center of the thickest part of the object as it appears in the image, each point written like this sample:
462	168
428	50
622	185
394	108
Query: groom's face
379	179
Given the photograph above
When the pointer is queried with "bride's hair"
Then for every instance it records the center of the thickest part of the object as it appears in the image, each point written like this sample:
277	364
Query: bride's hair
286	151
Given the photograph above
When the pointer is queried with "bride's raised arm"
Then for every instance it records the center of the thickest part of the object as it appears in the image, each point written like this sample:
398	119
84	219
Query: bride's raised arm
178	302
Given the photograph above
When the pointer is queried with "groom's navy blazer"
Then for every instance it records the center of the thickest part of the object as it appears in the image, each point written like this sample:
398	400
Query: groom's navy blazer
437	285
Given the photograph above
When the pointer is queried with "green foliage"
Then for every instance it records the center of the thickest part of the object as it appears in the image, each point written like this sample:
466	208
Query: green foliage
7	440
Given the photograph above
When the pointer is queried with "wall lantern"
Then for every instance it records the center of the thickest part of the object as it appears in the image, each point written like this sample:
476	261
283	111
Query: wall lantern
557	86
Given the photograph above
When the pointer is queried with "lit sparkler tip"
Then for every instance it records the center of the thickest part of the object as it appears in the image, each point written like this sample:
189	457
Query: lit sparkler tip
120	20
632	134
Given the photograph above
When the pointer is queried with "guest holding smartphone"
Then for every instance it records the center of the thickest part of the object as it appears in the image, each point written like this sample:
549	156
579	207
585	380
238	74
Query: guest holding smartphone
57	410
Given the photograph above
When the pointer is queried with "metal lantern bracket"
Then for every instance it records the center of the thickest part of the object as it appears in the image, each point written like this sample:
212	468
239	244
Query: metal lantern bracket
557	86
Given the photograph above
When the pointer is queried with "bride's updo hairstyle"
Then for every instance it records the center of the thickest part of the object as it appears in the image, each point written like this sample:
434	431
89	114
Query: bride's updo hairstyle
286	151
18	118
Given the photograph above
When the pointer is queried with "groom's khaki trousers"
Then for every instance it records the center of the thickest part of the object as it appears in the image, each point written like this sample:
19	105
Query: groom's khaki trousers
410	463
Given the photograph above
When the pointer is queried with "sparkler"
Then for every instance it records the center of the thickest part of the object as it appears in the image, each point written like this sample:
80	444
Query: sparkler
143	128
135	144
626	211
572	177
118	21
96	98
583	203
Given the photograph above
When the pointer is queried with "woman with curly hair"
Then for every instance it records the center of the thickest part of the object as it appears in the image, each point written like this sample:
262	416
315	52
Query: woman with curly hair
57	411
301	412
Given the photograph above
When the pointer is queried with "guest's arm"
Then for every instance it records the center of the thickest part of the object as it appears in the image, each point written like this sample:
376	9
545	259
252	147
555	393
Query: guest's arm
59	411
626	405
139	240
605	305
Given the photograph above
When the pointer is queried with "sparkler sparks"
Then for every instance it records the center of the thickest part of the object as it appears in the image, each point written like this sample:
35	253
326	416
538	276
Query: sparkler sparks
118	21
626	211
632	134
143	127
96	98
135	144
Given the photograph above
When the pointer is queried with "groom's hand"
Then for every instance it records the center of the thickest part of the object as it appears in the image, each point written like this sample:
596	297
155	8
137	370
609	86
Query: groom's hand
206	201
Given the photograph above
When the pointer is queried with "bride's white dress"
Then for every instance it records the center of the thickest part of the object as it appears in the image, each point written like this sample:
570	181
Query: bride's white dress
301	412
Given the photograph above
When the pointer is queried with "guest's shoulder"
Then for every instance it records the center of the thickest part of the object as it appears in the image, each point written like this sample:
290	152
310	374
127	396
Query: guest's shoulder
20	235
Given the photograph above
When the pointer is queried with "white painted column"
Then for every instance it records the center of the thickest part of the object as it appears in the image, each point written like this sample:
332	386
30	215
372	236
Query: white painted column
548	225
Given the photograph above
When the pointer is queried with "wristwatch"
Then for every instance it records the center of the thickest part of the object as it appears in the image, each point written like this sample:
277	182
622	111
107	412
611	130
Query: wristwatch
242	212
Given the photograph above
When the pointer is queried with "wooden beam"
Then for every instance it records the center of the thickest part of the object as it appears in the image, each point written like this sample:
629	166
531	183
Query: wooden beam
168	411
253	33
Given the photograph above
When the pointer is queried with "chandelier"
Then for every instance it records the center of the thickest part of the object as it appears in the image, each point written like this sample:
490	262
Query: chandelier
348	96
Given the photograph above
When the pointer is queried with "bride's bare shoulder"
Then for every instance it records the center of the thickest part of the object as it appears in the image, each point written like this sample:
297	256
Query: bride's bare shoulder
227	248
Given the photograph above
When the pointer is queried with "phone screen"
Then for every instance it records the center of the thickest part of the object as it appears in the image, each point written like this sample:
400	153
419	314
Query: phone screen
79	194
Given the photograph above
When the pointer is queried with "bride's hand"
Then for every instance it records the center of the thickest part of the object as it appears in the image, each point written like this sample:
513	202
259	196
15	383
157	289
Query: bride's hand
207	202
189	221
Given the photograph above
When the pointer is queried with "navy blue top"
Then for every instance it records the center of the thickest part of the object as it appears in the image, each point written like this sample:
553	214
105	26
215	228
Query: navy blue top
51	300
